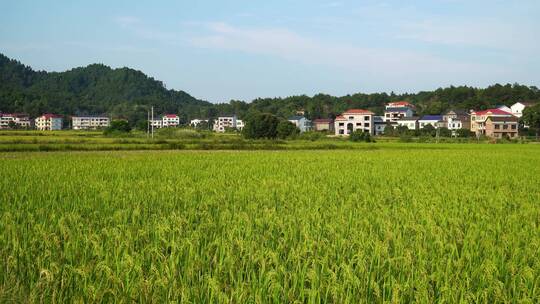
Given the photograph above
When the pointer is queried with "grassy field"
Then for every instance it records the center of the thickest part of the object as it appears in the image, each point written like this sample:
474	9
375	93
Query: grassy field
398	223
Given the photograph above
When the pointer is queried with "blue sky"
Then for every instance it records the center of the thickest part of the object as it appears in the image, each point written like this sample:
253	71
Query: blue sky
222	50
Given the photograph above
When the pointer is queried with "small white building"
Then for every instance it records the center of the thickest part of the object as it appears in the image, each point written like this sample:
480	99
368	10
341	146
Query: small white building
170	120
196	122
435	120
504	108
225	122
517	108
19	120
354	120
90	122
239	124
410	123
302	123
50	122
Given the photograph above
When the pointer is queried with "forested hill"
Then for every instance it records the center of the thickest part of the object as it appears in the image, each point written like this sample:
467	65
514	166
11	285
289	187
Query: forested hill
124	92
95	89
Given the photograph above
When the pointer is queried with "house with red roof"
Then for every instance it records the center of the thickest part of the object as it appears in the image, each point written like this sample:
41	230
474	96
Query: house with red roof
494	123
50	122
354	120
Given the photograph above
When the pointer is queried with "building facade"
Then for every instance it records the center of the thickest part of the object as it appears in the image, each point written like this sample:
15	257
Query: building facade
16	120
410	123
50	122
479	121
354	120
435	120
517	108
397	110
302	123
501	127
379	125
196	122
170	120
323	124
90	122
224	122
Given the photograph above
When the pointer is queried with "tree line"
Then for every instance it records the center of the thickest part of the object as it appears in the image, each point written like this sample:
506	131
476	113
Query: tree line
127	93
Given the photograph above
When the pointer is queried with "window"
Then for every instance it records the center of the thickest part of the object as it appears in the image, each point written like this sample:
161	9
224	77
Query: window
341	124
366	125
358	124
351	117
513	127
366	117
497	127
387	115
505	127
341	131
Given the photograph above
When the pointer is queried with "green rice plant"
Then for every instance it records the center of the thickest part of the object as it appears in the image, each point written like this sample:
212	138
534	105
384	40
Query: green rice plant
384	222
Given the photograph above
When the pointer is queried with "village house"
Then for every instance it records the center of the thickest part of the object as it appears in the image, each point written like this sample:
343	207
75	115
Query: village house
89	122
302	123
50	122
397	110
166	121
435	120
323	124
410	123
379	124
494	123
354	120
456	119
17	120
225	122
239	124
170	120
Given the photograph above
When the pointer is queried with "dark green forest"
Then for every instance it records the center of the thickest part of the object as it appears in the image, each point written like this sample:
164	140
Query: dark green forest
128	93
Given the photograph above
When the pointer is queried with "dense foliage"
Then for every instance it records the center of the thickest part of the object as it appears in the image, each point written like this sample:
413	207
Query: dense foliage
286	129
127	93
261	125
453	224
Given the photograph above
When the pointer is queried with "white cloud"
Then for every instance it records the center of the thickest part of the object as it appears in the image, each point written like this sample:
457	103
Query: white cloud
286	44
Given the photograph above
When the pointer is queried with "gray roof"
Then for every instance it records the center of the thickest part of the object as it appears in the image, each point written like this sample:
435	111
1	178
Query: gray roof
296	118
397	109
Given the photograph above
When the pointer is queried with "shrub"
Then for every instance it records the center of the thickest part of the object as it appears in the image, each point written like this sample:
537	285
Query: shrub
118	126
286	129
261	125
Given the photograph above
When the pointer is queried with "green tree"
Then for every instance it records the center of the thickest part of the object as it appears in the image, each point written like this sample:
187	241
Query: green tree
463	133
531	117
118	126
261	125
286	129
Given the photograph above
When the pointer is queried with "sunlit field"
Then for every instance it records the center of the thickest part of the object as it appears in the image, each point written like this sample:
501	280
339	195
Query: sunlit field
431	223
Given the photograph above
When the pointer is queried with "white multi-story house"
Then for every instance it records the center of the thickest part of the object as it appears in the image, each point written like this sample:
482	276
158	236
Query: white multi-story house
354	120
49	122
166	121
397	110
170	120
302	123
456	119
90	122
410	122
435	120
224	122
19	120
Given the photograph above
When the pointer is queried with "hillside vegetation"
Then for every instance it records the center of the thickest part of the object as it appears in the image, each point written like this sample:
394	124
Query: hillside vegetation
128	93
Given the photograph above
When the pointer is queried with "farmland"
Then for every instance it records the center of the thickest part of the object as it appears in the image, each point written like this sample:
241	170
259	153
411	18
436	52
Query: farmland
385	222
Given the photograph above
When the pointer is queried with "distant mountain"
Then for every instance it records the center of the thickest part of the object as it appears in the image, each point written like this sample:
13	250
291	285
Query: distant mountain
124	92
95	89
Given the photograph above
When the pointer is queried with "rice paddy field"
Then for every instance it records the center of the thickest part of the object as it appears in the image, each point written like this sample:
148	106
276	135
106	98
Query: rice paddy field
395	223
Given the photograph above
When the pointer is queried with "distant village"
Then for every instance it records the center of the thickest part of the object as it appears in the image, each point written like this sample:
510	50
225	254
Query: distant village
500	122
